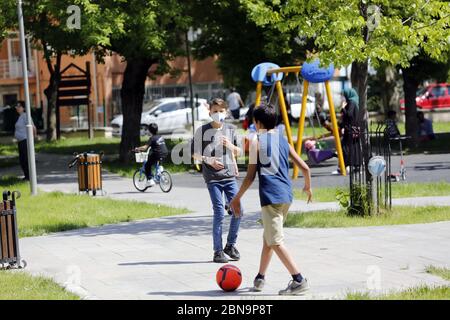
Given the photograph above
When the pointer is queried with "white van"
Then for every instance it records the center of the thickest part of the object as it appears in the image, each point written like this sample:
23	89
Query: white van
170	114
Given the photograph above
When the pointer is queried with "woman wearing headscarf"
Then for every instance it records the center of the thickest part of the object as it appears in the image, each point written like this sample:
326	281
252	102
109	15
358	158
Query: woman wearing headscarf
350	128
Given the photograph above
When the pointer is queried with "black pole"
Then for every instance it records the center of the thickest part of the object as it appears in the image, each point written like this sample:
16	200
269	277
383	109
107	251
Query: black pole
197	105
89	105
188	51
58	121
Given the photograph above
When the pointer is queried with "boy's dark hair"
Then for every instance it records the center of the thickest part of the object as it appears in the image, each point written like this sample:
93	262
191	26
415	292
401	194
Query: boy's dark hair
267	115
391	113
21	103
153	128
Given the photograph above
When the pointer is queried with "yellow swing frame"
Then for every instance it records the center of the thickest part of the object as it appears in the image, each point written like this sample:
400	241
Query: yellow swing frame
301	123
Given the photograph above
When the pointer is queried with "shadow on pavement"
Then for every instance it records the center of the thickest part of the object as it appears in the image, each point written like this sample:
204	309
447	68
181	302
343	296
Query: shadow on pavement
155	263
244	292
428	166
206	293
191	226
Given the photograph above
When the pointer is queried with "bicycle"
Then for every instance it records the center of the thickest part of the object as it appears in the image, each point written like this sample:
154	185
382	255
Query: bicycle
162	177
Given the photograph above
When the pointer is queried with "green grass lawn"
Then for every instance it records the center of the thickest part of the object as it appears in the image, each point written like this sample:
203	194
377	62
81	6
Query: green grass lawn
416	293
308	131
444	273
79	145
68	146
22	286
399	190
55	211
8	149
338	219
441	127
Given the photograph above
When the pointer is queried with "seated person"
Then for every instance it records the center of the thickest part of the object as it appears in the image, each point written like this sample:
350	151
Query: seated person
158	152
425	128
326	138
326	123
391	124
317	155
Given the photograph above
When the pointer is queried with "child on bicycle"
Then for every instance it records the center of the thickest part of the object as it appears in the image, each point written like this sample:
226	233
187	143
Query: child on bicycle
158	152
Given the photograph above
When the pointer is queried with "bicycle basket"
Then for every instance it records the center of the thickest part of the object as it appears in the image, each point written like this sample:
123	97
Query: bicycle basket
141	157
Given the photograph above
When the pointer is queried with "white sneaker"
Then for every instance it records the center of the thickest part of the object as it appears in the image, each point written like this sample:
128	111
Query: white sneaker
336	172
258	284
295	288
150	183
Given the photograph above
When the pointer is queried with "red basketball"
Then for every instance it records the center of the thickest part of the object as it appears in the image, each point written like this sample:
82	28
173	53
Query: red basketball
229	277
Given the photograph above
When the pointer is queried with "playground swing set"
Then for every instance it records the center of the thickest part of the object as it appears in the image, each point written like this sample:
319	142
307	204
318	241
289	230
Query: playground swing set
271	75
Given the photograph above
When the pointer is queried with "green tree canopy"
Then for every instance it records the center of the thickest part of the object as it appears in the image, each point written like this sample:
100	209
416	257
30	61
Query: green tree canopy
345	31
5	9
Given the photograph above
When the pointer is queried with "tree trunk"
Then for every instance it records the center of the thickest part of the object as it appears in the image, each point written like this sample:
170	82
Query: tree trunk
51	93
391	96
359	76
132	95
410	86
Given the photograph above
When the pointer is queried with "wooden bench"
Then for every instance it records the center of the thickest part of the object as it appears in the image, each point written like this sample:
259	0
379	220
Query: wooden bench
9	237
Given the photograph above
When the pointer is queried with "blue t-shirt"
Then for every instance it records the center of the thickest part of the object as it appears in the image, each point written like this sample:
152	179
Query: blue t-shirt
273	169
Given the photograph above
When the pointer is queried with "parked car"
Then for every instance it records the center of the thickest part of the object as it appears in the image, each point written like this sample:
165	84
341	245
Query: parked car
431	97
169	113
295	100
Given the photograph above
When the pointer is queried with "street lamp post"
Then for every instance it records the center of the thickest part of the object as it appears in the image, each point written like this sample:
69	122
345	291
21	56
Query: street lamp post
191	35
30	134
191	91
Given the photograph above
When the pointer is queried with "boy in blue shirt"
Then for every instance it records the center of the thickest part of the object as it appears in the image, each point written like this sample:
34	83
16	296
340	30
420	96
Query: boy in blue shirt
269	157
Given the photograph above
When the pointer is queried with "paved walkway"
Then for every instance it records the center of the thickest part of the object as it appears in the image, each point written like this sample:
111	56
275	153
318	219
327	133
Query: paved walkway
170	258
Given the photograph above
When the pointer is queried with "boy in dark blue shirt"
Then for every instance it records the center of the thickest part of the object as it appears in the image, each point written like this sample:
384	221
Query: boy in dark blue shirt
269	157
158	152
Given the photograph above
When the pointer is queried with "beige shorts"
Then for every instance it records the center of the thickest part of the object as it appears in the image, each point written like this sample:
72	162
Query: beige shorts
273	217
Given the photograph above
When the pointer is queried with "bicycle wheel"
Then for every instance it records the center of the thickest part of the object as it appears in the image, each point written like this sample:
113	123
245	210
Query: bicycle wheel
140	180
165	181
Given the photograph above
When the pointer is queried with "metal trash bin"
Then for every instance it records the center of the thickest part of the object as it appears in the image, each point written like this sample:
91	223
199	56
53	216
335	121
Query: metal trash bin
89	167
9	235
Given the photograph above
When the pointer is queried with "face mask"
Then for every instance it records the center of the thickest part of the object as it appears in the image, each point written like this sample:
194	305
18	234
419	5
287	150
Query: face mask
218	117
